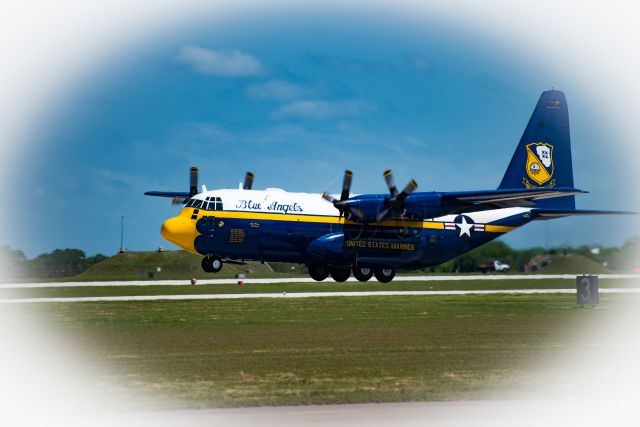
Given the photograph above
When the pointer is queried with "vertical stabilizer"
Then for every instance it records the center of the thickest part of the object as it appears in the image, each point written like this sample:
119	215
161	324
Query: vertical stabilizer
543	156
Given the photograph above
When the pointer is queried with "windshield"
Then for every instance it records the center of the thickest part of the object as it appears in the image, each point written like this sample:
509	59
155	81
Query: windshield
194	203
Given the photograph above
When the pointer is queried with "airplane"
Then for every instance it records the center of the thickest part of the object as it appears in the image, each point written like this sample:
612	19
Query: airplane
376	234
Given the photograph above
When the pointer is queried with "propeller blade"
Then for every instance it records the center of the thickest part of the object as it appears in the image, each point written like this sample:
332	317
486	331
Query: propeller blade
248	181
391	183
193	182
410	188
346	185
329	198
178	200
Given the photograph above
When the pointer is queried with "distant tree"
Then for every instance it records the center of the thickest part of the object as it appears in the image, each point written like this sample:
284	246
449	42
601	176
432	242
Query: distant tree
92	260
12	262
62	263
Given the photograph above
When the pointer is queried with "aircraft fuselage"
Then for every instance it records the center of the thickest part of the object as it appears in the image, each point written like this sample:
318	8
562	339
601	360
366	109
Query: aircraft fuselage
275	225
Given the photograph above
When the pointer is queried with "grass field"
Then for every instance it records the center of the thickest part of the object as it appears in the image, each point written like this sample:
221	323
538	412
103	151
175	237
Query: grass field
324	350
175	265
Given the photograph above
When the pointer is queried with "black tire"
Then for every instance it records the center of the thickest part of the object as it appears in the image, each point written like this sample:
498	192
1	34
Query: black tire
362	273
206	265
340	274
318	272
212	263
384	275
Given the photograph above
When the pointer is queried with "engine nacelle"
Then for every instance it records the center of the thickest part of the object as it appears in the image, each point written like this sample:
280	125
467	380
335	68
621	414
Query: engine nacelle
371	208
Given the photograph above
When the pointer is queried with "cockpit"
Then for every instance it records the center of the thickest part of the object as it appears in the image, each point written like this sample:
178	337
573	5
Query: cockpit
209	204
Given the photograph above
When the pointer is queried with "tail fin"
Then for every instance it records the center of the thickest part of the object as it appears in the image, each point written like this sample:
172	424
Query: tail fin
543	156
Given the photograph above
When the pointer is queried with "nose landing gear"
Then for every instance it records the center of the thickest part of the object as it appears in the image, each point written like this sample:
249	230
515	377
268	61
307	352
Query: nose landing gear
212	263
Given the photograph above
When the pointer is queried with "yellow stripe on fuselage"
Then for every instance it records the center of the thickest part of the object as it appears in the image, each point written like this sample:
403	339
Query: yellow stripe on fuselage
498	228
325	219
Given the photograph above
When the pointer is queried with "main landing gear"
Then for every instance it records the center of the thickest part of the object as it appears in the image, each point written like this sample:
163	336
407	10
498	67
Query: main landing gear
362	273
320	272
212	263
384	275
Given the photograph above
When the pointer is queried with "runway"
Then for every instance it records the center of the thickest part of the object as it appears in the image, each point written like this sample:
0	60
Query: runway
440	278
493	413
304	295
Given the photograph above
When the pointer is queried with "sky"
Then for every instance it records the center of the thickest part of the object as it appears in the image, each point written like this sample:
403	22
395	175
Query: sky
297	98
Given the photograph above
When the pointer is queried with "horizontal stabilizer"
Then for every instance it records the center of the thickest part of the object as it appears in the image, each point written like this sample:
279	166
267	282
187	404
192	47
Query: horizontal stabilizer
506	198
558	213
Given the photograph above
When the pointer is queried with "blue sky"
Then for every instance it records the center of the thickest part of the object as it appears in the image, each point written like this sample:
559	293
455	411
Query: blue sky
297	98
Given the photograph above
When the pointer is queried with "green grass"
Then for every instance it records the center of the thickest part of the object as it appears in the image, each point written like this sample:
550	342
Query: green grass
324	350
573	263
173	265
88	291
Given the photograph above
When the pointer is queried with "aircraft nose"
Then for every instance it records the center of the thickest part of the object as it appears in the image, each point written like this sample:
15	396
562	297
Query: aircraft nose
180	231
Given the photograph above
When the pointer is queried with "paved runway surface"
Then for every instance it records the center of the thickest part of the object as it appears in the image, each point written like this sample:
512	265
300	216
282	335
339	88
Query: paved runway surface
309	280
304	295
458	413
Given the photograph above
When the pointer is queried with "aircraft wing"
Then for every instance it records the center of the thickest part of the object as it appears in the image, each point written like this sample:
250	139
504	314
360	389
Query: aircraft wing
471	201
171	194
177	197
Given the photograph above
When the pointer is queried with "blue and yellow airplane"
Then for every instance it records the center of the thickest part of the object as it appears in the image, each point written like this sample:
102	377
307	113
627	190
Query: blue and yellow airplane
375	234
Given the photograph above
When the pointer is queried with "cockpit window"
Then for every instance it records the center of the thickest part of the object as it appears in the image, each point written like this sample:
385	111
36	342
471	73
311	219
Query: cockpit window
194	203
214	204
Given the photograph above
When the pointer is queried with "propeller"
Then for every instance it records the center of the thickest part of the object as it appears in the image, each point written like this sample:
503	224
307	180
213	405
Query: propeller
410	188
193	181
346	185
343	203
398	198
396	202
350	208
248	181
391	183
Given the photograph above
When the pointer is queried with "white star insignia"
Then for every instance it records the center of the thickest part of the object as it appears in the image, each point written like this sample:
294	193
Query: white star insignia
465	228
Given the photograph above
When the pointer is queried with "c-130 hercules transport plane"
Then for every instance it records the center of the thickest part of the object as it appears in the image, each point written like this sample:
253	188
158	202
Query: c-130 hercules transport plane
375	234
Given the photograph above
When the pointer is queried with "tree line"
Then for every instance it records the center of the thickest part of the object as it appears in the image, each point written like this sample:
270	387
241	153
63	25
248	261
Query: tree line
70	262
57	263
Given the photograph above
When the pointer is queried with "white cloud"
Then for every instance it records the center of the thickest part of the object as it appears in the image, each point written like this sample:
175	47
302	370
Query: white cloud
317	109
226	63
279	90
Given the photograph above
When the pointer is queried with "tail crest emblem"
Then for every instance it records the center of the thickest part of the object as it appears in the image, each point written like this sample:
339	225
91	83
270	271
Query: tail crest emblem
539	164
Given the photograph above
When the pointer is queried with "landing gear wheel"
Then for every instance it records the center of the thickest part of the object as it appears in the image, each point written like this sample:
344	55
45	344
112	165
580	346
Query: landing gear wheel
340	274
318	272
212	263
362	273
384	275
